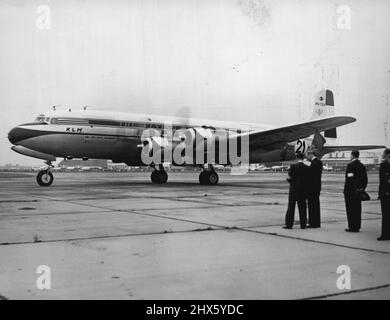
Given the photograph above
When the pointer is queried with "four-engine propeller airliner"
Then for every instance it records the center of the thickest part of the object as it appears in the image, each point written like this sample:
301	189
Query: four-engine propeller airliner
90	134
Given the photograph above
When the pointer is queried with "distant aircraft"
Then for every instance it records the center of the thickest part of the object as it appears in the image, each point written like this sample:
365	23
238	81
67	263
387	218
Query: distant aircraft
262	167
280	168
89	134
91	168
327	168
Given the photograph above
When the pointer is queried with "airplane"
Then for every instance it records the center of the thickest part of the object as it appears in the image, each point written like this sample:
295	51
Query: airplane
327	168
91	168
92	134
262	167
280	168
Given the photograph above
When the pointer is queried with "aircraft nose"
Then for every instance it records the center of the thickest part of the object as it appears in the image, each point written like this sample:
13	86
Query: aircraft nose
15	135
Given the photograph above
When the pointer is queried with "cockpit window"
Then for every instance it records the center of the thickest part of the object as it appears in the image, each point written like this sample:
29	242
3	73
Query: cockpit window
40	118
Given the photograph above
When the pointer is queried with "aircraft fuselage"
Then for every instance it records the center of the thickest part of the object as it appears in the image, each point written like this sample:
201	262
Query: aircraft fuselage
102	135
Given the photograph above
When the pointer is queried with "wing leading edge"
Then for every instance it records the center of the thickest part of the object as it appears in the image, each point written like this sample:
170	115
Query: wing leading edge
289	133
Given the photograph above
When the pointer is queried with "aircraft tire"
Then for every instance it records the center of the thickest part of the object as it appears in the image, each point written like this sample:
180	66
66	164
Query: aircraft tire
162	177
203	177
213	178
159	176
154	176
45	178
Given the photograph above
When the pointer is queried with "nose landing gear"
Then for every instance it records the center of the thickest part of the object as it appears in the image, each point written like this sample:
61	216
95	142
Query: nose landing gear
45	177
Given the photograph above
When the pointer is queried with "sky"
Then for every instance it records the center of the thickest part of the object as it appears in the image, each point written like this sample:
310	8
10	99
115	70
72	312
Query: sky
236	60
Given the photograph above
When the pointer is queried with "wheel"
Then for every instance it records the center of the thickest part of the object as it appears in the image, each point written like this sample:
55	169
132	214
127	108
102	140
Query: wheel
213	178
159	176
203	177
154	176
162	176
208	178
45	178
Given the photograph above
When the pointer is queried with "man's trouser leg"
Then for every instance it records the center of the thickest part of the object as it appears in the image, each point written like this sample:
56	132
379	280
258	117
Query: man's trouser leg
358	216
353	206
289	220
314	210
349	209
385	206
302	211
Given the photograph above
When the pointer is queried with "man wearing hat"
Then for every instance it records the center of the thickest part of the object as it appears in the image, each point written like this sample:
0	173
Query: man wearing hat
314	189
355	182
298	177
384	195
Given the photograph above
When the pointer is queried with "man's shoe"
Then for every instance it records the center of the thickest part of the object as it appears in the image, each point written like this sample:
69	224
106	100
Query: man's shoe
383	238
349	230
286	227
313	227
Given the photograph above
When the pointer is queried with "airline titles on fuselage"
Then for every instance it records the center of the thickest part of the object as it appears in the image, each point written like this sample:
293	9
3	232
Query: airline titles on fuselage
74	130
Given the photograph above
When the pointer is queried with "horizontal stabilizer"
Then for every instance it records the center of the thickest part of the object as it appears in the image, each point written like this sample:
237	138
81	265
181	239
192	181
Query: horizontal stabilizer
329	149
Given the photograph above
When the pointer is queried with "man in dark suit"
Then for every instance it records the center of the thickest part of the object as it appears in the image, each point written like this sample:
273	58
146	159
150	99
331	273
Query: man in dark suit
355	182
384	195
314	189
298	177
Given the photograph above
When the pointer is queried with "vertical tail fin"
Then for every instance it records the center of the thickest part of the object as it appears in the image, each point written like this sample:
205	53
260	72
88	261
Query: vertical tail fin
324	107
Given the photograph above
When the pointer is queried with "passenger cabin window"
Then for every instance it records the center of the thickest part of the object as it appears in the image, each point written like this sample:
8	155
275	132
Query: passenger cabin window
102	122
126	124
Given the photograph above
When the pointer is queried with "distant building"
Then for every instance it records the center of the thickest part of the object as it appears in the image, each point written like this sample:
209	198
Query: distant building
117	166
84	165
339	160
15	167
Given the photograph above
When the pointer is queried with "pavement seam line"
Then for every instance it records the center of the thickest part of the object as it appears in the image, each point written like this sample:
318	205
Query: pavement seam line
235	228
347	292
265	233
314	241
110	236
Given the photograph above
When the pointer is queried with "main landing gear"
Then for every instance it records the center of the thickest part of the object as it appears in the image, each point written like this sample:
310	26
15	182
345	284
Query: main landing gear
45	177
159	175
208	176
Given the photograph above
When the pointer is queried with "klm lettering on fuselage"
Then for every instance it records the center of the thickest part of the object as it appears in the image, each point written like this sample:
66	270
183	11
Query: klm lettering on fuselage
74	130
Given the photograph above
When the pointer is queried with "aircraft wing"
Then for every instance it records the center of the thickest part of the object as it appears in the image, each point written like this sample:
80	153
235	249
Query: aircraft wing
289	133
